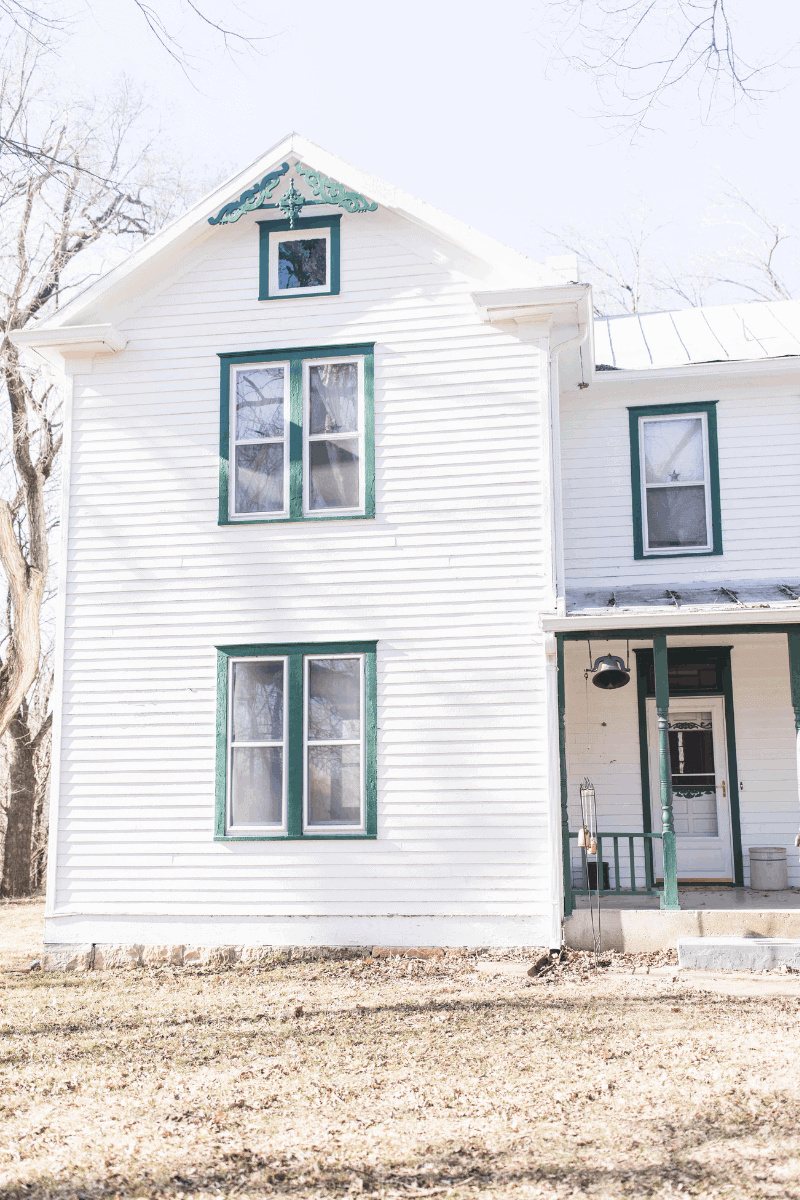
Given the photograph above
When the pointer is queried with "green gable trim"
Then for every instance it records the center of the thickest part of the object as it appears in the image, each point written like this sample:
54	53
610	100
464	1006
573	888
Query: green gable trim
296	357
709	407
265	228
295	653
324	189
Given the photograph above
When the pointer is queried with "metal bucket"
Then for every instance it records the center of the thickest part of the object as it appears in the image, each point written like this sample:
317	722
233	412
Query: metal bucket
768	870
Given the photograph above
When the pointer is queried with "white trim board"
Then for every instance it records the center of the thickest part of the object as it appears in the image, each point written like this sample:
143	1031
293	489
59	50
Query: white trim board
670	619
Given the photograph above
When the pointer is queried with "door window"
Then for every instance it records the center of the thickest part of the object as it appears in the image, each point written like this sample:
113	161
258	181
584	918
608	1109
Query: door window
694	794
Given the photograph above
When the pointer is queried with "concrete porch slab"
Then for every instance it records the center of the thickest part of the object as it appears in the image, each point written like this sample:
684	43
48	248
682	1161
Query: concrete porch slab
647	929
707	897
738	953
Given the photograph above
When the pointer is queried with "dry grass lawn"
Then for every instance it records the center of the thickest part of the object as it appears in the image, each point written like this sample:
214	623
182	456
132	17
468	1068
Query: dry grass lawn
392	1079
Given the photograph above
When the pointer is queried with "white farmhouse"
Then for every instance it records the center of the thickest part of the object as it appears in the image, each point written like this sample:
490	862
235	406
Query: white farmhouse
353	496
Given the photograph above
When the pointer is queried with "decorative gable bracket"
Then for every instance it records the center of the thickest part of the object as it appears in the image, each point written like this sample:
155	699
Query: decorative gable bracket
323	189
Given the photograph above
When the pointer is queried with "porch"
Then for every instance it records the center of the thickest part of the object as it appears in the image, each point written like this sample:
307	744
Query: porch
692	763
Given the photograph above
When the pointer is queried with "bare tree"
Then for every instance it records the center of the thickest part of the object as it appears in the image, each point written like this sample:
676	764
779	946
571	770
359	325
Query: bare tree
628	275
617	263
641	53
755	266
85	184
41	19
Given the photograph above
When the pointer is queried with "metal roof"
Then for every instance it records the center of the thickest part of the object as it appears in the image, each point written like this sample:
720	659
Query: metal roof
697	597
723	333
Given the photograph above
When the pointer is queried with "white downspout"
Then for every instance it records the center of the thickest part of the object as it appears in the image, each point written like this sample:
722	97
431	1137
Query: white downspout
557	503
559	589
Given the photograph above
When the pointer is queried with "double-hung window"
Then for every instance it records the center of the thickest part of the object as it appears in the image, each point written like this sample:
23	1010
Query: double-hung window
297	435
296	741
675	480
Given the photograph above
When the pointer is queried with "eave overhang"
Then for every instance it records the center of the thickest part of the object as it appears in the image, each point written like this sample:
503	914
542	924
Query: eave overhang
567	304
671	619
71	339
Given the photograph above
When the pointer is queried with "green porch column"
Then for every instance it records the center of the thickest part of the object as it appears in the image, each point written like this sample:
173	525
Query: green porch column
569	898
794	677
670	896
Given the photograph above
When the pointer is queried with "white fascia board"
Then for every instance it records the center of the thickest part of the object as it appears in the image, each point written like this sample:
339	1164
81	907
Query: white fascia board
80	339
559	304
737	369
177	237
670	619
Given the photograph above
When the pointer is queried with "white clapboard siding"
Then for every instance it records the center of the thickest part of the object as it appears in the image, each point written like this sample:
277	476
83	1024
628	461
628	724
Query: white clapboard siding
758	427
447	578
765	743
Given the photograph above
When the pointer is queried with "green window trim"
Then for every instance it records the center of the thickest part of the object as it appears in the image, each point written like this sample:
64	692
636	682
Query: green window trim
296	358
265	228
295	767
709	408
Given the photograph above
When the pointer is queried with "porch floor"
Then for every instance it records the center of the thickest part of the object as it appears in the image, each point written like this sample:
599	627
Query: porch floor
708	897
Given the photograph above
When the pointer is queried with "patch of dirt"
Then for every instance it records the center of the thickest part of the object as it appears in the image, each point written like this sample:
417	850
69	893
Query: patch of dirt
394	1078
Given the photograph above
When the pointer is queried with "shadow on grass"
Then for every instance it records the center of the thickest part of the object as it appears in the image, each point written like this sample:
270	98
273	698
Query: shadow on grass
243	1025
465	1168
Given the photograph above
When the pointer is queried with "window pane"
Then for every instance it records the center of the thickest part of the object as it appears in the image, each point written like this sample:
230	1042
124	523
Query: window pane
334	785
257	702
334	398
676	517
333	471
334	699
302	263
673	450
257	785
259	403
259	478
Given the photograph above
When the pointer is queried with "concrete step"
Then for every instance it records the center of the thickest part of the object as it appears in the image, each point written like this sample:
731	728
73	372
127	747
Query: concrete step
738	953
653	929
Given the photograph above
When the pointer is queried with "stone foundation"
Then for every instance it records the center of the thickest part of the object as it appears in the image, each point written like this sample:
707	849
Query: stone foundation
103	957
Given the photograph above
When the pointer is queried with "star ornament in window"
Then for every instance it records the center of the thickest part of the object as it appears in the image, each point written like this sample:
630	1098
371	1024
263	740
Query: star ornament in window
674	476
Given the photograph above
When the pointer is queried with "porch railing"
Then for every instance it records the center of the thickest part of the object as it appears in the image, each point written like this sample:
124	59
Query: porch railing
645	866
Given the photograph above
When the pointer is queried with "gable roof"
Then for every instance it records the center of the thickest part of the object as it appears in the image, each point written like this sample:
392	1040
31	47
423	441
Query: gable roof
721	333
148	262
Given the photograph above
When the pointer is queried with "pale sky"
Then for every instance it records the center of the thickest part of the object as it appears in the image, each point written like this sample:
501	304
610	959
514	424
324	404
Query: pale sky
453	101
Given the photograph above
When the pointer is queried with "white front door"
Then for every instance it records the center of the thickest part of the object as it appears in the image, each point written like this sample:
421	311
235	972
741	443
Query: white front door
700	793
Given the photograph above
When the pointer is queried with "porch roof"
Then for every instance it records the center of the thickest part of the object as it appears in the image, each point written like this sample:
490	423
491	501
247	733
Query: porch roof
690	618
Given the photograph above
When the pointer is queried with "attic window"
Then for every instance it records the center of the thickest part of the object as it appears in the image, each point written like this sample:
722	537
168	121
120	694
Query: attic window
299	260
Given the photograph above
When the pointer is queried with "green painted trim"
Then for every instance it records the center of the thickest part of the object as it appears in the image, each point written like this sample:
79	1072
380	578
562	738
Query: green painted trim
294	748
709	407
295	653
371	747
678	655
255	197
295	357
369	435
295	440
682	656
733	773
569	899
265	228
221	770
642	669
793	637
669	898
307	837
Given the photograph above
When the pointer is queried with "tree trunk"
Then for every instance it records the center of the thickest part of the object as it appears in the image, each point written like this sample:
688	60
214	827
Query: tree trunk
21	807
